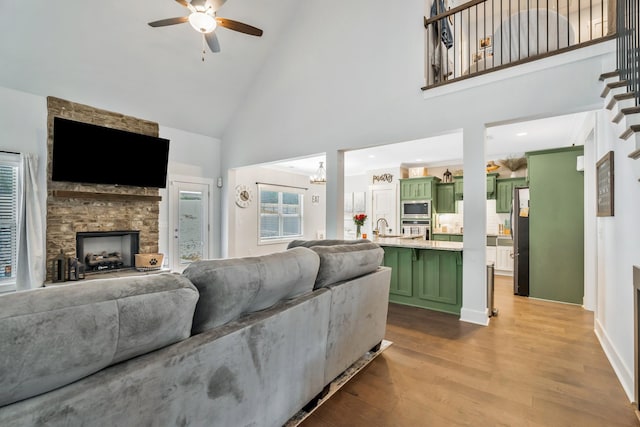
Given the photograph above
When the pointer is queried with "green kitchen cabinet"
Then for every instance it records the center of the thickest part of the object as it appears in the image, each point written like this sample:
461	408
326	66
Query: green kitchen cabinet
504	193
446	202
425	278
418	188
401	263
491	186
458	185
441	237
447	237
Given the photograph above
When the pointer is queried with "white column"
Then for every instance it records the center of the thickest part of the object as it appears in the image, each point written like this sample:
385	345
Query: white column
474	262
335	194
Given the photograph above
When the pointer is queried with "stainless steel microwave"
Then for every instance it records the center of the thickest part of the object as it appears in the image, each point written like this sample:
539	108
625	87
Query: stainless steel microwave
416	209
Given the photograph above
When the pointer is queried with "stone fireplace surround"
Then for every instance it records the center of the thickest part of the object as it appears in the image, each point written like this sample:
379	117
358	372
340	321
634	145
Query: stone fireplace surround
73	207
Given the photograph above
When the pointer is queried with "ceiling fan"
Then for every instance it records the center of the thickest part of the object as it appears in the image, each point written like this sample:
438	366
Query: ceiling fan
204	20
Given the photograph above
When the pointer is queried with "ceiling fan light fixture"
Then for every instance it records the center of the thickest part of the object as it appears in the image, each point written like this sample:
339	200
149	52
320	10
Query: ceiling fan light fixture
202	22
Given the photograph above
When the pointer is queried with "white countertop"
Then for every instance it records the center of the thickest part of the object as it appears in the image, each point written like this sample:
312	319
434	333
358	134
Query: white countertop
418	244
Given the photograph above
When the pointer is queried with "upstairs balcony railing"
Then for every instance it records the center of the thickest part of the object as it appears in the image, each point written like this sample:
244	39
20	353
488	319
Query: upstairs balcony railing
481	36
628	45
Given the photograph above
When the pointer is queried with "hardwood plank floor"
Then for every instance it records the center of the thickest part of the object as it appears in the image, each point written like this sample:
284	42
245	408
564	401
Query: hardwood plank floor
537	364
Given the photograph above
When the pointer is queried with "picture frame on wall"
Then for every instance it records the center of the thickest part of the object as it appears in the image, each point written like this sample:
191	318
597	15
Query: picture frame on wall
605	185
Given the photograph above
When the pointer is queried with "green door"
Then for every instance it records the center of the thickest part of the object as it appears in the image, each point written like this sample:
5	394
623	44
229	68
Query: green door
556	226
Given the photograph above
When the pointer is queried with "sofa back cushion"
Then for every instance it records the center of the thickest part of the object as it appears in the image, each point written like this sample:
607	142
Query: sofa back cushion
344	262
52	336
232	287
324	242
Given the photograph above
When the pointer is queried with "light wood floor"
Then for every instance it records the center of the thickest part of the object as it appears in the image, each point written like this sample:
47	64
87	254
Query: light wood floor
537	364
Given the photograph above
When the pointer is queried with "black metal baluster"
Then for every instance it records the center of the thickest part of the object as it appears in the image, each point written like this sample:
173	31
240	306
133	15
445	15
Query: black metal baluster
579	22
548	25
528	28
558	24
501	36
493	39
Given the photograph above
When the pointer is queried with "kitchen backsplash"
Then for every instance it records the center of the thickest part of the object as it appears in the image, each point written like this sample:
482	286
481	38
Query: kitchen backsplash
453	222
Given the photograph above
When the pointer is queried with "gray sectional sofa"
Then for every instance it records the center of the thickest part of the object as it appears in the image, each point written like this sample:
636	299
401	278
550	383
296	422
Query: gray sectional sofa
230	342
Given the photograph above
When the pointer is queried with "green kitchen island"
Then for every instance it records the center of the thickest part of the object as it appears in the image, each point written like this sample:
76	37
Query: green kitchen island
424	273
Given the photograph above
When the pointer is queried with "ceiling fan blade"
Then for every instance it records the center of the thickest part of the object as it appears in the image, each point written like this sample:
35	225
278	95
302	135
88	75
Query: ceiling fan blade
239	26
212	41
169	21
183	2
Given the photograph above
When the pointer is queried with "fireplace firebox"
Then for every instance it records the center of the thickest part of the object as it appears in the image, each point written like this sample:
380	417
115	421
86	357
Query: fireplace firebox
102	251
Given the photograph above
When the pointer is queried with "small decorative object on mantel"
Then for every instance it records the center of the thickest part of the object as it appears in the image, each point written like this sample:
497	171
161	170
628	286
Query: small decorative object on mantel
73	269
149	262
514	164
59	268
446	177
359	220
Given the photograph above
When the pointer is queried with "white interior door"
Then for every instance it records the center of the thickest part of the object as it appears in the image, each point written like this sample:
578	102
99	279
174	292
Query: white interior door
384	204
189	220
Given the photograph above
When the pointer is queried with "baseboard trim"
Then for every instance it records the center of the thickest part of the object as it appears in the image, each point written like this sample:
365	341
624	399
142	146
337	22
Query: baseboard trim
625	376
337	384
475	316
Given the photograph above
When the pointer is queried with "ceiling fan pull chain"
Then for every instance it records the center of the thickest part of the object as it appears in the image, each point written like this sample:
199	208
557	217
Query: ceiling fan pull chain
203	47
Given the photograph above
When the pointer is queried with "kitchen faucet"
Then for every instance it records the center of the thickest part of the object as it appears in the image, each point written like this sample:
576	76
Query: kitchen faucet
377	230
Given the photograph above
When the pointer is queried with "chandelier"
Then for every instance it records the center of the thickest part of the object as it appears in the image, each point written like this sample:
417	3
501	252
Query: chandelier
320	177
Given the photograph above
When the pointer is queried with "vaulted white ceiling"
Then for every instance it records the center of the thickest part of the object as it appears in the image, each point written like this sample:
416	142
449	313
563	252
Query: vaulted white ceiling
103	53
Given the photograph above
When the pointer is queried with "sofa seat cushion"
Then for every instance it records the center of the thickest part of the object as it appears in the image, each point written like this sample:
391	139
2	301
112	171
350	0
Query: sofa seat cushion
232	287
344	262
52	336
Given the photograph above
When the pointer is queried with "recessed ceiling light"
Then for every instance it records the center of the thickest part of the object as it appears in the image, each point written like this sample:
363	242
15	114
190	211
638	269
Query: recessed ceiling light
371	156
418	160
521	134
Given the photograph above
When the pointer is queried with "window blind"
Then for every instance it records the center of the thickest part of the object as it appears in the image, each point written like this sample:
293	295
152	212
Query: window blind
8	217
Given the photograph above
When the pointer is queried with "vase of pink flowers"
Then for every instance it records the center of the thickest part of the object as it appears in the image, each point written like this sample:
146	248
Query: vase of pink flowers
359	220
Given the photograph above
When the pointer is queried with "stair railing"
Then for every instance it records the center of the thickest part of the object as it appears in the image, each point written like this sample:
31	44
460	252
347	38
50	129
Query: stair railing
487	35
628	44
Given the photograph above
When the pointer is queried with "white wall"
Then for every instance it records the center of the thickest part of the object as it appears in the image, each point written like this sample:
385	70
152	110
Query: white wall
197	156
617	252
243	222
358	86
23	128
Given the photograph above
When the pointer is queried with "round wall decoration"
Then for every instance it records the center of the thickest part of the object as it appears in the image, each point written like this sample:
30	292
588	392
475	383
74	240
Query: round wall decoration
243	195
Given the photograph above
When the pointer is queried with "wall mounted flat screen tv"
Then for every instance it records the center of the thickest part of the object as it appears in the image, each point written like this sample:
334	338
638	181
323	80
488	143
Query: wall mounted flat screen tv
93	154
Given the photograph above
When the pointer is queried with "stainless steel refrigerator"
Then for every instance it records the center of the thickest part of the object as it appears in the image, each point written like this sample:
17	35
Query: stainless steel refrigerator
520	229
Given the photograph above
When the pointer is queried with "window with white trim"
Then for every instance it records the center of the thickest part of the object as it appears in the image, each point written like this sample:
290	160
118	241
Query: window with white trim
280	214
9	187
